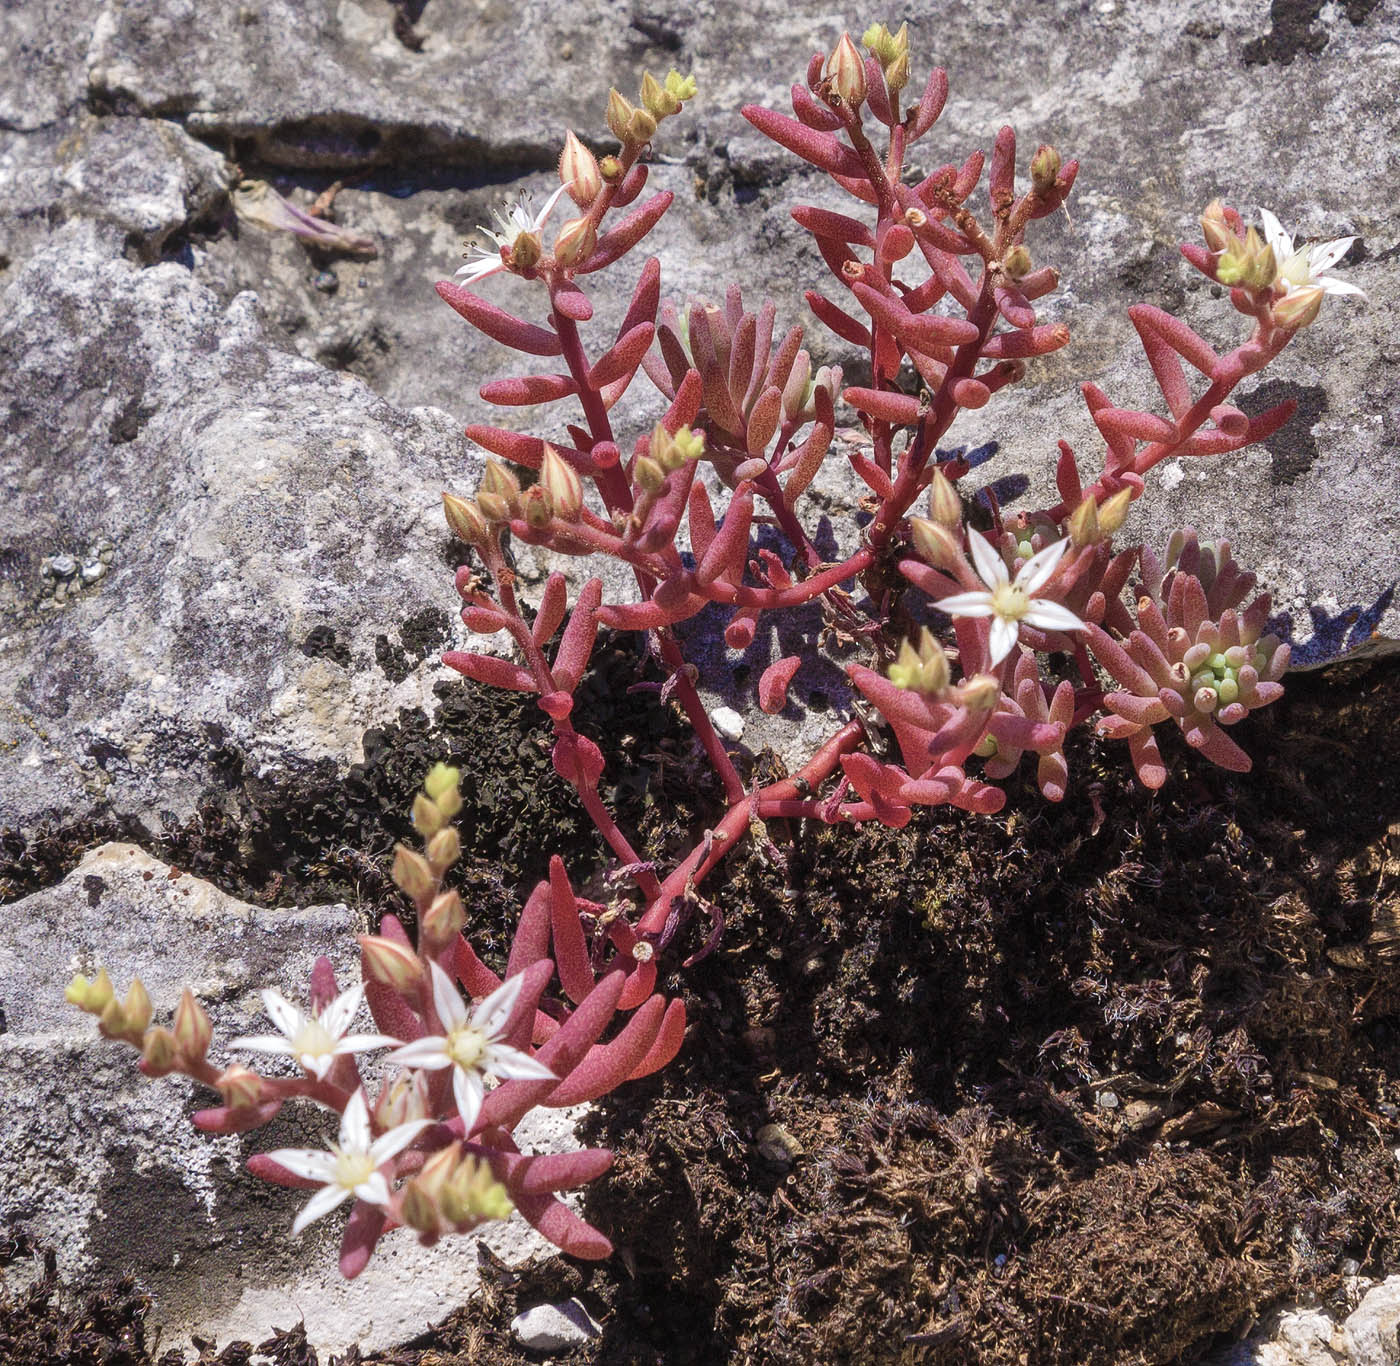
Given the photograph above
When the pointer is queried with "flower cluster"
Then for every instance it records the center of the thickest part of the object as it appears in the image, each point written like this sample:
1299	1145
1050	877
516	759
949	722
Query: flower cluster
984	636
433	1150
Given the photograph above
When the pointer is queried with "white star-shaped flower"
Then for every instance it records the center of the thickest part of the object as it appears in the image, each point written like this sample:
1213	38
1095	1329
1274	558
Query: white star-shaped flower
472	1044
350	1167
1010	602
513	224
317	1040
1306	268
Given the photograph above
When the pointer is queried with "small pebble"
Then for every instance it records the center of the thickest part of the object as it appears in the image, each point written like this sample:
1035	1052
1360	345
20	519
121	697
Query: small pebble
327	281
728	723
554	1327
777	1145
93	570
1107	1100
63	566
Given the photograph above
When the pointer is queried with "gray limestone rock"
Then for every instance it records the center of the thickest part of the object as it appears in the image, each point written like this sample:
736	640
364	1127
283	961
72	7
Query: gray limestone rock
247	499
102	1165
555	1327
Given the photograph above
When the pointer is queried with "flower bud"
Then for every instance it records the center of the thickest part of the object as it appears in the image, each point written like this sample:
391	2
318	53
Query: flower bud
137	1006
465	520
1017	263
620	112
472	1193
690	444
578	169
641	127
444	919
682	87
935	543
437	1169
418	1210
648	475
500	483
897	72
443	785
980	692
427	818
1115	511
240	1087
412	874
1262	268
444	849
846	72
562	483
93	996
575	242
611	169
495	508
944	505
537	507
1045	169
659	102
1214	228
798	388
880	43
158	1051
391	964
402	1100
1299	308
1084	523
192	1029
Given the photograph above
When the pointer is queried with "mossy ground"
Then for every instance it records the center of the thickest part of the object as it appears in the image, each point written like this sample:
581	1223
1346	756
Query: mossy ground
1095	1083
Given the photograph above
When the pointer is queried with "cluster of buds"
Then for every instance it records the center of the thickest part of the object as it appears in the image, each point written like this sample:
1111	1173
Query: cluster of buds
433	1150
1265	268
1192	659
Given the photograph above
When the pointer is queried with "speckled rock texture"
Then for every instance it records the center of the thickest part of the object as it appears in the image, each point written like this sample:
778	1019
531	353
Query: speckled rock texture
220	450
102	1165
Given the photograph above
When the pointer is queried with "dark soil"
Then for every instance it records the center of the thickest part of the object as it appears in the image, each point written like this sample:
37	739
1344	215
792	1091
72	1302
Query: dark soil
1094	1084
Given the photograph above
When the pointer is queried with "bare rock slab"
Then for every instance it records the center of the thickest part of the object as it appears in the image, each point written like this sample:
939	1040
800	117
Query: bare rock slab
102	1165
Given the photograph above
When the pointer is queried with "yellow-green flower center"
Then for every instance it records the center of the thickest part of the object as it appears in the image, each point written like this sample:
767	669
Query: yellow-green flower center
352	1169
1009	602
465	1045
313	1040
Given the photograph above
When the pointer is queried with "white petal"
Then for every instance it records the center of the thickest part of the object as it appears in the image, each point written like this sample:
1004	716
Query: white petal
548	207
501	1060
336	1017
391	1144
430	1052
318	1064
354	1125
1331	285
451	1009
1275	236
1325	255
493	1011
1051	616
323	1202
283	1013
479	270
264	1043
991	568
1003	639
1040	568
967	605
469	1091
362	1043
373	1190
312	1164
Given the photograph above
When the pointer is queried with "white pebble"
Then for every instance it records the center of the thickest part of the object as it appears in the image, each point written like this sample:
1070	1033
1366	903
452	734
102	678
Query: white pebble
728	723
554	1327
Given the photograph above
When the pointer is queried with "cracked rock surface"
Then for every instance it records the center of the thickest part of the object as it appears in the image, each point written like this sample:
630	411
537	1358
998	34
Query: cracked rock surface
220	450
